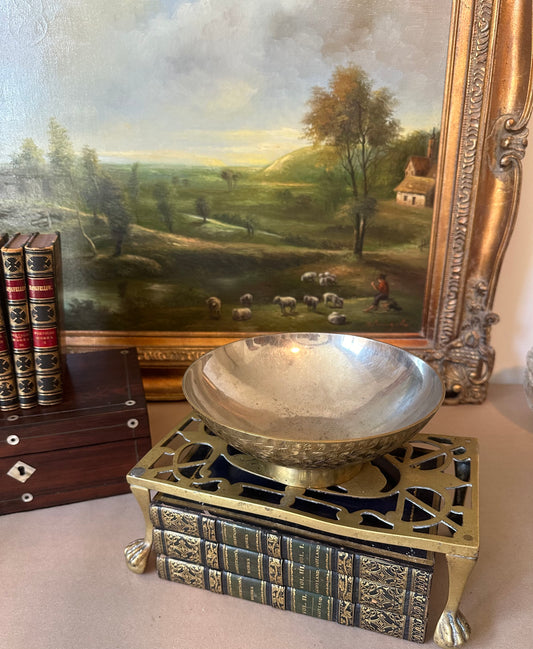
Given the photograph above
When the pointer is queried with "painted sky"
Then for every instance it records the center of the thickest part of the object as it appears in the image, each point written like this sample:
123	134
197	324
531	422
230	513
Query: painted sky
199	81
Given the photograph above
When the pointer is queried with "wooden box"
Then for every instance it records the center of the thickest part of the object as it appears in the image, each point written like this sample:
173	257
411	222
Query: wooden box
83	447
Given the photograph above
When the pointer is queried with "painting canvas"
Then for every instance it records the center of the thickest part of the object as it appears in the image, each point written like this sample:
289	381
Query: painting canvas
227	166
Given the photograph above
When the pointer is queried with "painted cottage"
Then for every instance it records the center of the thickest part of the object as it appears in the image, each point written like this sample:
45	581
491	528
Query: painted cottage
417	189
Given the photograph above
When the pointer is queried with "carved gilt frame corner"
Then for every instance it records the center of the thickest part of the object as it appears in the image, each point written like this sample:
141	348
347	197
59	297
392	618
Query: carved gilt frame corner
486	109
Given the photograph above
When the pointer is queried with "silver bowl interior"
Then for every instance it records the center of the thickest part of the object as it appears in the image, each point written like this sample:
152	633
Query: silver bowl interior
315	387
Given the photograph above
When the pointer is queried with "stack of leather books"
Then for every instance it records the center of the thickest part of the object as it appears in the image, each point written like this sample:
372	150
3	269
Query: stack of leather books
371	586
31	325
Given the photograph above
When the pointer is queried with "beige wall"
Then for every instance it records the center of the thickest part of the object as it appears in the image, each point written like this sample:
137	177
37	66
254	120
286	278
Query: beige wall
513	335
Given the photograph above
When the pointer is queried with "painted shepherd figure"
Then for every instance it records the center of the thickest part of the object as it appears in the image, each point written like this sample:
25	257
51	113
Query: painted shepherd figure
381	286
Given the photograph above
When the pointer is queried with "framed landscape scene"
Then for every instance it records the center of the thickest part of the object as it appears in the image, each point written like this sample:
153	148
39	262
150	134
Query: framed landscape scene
218	169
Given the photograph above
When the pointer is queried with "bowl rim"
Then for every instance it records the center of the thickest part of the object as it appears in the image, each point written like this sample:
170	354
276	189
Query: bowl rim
415	425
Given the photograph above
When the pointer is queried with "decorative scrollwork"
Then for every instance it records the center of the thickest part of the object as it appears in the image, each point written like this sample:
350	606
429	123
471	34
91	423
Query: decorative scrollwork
468	161
510	136
416	488
466	362
170	354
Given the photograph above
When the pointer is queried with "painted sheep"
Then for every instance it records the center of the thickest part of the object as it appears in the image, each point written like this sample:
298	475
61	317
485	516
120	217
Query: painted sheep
246	299
214	305
333	300
327	279
244	313
337	318
311	301
285	303
310	276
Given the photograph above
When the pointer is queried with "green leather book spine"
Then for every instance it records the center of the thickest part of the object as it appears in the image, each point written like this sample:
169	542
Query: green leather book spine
292	548
292	599
285	572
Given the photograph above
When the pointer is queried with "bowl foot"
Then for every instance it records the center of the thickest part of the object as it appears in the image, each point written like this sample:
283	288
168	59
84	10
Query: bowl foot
296	476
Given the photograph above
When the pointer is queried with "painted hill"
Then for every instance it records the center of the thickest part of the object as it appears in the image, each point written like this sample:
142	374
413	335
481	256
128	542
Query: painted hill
307	164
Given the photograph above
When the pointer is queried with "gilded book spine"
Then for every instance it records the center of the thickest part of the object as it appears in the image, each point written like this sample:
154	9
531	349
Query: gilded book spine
292	599
8	391
288	573
19	320
292	548
43	256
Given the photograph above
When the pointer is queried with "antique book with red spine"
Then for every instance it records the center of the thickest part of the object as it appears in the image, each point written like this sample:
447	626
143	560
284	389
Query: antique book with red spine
8	390
19	319
44	282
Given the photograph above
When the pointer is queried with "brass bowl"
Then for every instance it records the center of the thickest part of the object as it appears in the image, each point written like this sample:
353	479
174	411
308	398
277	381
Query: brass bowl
310	408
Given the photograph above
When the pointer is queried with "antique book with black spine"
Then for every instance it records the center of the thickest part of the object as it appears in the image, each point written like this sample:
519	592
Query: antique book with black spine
8	390
44	283
12	253
407	568
388	597
292	599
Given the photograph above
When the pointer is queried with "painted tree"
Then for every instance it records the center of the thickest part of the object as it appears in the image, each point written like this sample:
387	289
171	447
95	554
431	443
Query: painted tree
133	188
357	121
89	189
118	216
202	208
231	177
29	160
164	205
29	167
91	180
61	157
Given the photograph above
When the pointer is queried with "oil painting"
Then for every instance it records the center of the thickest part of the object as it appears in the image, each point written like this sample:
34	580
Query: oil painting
227	166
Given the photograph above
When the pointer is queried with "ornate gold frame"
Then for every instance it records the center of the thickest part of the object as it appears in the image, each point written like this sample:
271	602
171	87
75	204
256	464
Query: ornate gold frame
487	105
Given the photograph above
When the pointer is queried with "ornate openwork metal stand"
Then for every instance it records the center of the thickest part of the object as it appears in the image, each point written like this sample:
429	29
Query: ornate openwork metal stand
423	495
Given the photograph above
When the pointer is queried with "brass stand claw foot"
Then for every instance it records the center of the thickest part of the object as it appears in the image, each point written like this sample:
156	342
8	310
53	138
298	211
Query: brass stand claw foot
452	630
137	553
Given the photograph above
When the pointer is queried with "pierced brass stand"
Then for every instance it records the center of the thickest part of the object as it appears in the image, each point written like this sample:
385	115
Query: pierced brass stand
423	495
